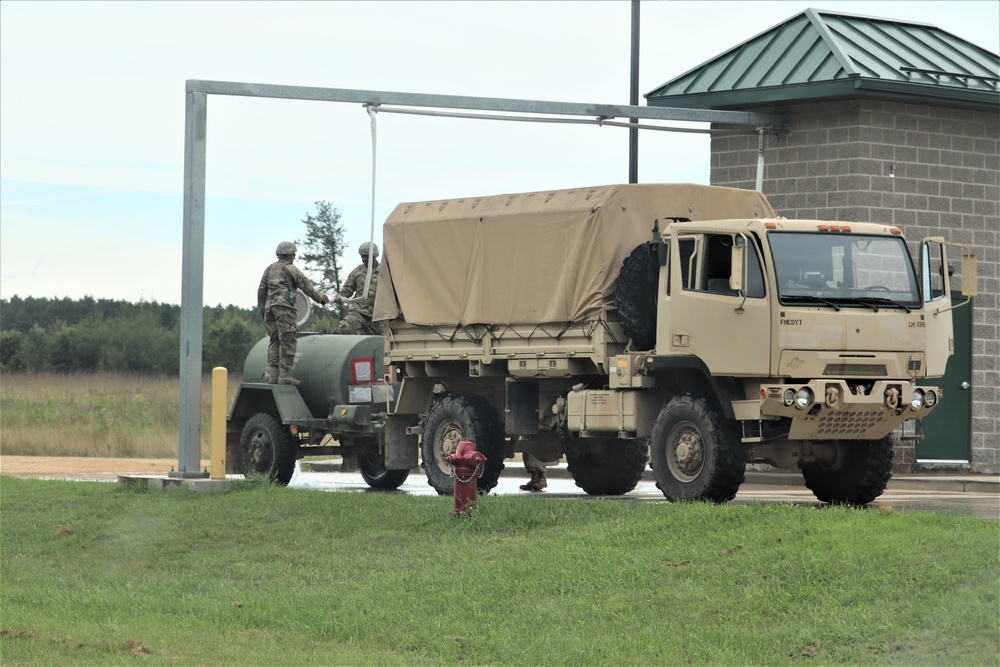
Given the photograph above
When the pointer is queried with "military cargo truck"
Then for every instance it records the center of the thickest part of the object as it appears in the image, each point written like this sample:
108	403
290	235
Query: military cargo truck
681	326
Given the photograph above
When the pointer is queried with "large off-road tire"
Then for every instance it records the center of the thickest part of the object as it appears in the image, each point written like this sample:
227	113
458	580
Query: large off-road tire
860	476
695	452
267	449
373	471
606	466
635	296
457	417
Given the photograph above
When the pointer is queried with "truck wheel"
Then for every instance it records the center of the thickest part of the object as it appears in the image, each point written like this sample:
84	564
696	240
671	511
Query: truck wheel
635	296
375	474
267	448
861	478
608	467
696	453
454	418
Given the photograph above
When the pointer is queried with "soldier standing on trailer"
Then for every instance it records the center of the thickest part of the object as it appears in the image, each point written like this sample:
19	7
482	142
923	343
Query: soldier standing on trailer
358	320
276	305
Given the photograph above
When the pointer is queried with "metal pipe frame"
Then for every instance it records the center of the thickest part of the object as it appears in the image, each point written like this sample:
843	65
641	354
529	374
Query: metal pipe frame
195	142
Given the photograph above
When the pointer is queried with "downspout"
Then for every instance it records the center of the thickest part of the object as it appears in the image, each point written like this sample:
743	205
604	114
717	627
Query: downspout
760	160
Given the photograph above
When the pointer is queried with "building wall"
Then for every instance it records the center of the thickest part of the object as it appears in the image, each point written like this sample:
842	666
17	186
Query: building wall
932	171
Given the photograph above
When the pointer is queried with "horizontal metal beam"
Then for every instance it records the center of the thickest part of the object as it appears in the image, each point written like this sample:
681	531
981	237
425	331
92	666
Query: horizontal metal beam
377	97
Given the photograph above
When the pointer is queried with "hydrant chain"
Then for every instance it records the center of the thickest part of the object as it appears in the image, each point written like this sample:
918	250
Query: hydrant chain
478	472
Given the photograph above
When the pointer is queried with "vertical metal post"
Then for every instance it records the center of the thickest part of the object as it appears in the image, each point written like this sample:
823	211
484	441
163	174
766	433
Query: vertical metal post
633	132
192	285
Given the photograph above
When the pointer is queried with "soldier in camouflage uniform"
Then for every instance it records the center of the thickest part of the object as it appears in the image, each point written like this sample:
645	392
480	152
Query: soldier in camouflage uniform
358	320
276	305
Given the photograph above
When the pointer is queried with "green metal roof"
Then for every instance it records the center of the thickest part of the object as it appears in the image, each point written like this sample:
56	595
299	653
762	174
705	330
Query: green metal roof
821	55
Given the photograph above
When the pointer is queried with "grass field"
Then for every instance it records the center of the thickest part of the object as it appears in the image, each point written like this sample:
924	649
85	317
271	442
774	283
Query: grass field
267	576
101	414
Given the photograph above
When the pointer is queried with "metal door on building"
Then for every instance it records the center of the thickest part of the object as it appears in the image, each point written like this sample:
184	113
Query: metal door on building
948	430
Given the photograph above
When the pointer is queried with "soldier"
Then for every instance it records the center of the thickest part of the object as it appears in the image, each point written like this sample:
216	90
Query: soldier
276	305
358	320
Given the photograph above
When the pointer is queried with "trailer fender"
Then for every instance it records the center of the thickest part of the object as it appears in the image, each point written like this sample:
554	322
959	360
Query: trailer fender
283	400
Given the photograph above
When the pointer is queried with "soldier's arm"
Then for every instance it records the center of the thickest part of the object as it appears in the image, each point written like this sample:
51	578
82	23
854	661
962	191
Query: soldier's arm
348	289
262	294
306	285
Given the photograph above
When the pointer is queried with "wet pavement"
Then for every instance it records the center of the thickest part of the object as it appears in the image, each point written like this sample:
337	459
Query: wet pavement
974	495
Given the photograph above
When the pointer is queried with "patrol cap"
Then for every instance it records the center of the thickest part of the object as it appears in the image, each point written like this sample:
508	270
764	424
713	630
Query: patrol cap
285	248
366	249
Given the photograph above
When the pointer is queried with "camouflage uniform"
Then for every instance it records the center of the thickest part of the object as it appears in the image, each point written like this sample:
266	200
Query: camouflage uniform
358	320
276	305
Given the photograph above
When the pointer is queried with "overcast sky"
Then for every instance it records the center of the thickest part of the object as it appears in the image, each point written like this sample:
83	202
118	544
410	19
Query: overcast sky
92	119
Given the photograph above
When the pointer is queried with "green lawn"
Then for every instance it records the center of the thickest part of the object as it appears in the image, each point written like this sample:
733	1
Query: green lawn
265	575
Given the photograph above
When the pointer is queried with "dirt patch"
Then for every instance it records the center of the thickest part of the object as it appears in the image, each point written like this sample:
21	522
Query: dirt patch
84	467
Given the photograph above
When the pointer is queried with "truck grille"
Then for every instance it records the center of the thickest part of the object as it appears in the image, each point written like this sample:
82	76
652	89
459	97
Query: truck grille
855	370
847	424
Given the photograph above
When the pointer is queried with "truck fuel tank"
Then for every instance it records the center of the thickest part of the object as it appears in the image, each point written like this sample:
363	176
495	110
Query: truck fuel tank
333	369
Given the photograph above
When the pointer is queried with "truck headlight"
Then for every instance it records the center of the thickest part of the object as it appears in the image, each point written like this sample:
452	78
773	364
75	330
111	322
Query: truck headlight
917	399
789	397
930	399
803	398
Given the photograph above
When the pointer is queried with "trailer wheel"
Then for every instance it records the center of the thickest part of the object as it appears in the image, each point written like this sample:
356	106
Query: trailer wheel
267	449
635	296
608	467
454	418
863	472
696	453
375	474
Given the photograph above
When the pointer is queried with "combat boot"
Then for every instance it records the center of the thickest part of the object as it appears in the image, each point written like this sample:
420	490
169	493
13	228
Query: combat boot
271	376
285	378
536	483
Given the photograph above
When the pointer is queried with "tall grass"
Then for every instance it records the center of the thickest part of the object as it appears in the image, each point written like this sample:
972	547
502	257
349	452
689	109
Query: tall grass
99	414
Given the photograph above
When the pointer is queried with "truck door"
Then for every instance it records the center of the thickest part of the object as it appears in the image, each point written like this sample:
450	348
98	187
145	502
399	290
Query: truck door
948	430
729	331
935	276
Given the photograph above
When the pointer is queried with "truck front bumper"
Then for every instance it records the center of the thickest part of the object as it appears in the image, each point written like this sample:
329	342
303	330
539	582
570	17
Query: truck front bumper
835	410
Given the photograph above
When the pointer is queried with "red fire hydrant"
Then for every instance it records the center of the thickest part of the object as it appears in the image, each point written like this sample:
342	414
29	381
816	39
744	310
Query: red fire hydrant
468	465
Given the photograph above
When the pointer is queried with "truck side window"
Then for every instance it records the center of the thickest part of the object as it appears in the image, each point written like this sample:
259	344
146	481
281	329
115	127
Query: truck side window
716	266
718	263
934	272
755	274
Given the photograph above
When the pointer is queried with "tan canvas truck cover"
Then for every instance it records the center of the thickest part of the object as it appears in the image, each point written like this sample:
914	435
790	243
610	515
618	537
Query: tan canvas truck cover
533	257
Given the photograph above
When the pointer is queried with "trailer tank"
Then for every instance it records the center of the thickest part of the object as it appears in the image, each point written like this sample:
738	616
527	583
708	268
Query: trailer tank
333	369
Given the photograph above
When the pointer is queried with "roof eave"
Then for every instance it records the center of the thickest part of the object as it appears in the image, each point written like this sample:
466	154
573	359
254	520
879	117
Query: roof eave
829	90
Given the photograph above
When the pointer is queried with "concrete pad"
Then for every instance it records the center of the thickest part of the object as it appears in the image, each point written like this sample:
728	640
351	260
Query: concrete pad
159	483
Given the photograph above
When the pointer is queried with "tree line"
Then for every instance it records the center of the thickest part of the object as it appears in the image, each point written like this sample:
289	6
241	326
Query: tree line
89	335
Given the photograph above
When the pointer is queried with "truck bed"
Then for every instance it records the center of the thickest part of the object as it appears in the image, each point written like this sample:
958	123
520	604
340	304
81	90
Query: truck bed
528	350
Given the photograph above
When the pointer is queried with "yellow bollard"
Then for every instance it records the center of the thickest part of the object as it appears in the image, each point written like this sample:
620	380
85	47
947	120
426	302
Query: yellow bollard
220	380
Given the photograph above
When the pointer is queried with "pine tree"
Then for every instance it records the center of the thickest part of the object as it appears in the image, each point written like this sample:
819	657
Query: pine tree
323	247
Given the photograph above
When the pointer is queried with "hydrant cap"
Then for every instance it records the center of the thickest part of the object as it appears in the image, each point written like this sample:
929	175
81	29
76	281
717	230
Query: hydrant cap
465	454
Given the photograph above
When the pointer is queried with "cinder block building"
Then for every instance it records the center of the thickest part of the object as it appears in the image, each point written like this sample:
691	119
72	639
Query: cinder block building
888	121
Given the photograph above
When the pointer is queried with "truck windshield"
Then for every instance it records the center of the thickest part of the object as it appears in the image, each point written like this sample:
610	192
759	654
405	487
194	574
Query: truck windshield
841	270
